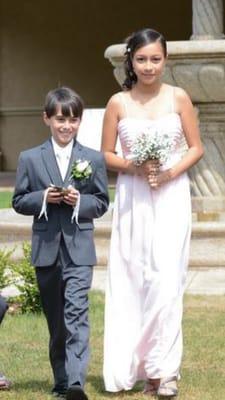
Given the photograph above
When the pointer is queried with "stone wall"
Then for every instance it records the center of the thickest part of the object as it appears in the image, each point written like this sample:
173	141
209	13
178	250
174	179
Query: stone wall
46	44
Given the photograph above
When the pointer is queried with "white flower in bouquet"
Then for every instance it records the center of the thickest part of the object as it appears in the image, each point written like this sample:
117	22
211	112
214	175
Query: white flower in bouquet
151	146
81	169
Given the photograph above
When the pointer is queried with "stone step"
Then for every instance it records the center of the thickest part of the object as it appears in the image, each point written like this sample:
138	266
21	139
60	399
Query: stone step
12	236
207	244
207	241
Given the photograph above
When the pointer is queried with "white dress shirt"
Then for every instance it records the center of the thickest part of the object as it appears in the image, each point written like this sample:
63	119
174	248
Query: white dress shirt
62	155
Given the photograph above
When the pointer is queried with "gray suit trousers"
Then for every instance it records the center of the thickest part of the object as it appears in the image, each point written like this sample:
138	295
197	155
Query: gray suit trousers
64	293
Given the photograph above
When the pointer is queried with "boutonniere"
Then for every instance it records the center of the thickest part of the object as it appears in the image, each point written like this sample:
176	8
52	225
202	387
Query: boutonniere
81	169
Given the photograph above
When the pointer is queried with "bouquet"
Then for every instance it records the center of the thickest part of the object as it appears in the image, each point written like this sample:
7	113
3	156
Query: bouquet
151	146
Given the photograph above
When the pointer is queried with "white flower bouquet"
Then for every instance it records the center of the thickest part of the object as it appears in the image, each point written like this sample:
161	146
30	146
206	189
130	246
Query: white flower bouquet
150	145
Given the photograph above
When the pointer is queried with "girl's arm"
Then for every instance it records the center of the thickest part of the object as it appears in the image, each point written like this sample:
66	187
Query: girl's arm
113	114
191	131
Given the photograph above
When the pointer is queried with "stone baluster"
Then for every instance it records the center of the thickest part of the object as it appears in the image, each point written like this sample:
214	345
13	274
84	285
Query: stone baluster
207	20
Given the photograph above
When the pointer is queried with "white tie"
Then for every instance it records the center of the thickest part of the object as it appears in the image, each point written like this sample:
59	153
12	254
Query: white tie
63	162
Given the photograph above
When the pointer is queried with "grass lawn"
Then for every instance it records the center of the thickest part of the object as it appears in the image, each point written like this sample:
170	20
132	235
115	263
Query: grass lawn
5	199
111	193
24	354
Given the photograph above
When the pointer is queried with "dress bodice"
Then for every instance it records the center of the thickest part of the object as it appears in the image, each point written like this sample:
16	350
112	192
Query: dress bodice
170	124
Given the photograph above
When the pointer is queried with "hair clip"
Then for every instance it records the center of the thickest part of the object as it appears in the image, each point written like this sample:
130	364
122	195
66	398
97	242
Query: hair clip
128	49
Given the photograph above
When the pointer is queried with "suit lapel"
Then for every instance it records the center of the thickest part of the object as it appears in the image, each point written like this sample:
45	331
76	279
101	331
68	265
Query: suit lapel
50	163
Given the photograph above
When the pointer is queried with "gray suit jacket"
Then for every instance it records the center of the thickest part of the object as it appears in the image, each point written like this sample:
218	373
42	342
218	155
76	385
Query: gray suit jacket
3	308
37	168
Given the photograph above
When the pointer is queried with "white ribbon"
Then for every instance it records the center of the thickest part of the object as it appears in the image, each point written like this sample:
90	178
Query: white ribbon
75	213
44	205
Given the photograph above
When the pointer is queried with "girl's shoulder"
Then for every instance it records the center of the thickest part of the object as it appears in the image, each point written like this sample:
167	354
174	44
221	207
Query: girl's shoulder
116	101
177	91
181	99
179	96
118	97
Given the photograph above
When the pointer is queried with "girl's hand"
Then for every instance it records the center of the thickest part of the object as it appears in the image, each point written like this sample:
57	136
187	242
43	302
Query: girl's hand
157	180
149	168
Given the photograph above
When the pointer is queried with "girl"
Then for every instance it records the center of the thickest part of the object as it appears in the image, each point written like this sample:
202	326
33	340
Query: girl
151	224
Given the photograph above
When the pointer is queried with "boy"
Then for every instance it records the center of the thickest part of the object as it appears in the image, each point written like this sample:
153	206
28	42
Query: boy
64	186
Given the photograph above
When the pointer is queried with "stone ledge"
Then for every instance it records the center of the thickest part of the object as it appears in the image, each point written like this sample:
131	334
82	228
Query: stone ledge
206	205
103	229
207	241
208	229
178	49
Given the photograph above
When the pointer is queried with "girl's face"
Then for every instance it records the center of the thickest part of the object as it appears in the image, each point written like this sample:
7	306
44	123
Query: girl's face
148	63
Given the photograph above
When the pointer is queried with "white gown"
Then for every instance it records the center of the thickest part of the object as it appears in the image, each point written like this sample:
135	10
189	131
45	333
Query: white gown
147	268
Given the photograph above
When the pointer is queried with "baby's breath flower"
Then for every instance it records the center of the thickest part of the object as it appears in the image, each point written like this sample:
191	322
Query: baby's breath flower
151	146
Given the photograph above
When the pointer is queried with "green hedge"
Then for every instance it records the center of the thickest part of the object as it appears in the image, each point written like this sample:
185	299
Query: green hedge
22	275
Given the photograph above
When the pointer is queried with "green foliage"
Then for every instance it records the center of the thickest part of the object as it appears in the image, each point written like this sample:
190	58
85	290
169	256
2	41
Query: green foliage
111	194
5	266
25	281
6	199
22	275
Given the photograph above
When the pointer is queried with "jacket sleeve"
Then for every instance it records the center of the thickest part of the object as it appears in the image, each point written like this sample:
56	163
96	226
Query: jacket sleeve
95	204
25	201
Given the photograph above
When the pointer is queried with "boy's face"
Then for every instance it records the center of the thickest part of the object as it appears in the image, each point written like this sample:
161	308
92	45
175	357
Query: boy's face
63	129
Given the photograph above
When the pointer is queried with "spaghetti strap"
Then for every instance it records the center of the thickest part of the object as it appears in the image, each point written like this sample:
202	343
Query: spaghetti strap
173	100
123	101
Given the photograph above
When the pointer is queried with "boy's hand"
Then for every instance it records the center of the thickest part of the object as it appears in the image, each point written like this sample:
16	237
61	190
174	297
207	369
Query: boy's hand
54	196
71	196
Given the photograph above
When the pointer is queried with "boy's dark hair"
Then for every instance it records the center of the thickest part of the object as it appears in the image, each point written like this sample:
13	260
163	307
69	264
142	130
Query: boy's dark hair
69	101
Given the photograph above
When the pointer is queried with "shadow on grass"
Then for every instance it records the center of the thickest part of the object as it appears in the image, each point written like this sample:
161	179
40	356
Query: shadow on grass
33	386
98	384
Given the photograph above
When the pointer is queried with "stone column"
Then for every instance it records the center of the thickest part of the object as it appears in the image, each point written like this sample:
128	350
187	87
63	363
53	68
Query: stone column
207	21
208	175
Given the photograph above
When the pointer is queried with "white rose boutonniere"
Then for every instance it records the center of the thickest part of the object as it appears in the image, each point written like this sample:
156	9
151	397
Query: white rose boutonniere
81	169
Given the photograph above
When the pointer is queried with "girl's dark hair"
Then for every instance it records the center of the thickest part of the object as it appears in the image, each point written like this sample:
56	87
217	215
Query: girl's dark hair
67	99
133	43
